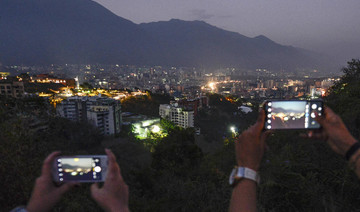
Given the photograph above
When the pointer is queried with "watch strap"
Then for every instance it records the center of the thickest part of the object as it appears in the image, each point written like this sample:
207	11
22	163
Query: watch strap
352	150
240	172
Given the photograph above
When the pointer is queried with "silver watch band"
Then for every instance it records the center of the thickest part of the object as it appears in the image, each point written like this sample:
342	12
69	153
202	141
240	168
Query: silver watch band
239	173
248	173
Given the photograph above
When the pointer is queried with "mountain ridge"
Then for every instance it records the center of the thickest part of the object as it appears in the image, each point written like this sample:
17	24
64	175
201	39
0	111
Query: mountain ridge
83	31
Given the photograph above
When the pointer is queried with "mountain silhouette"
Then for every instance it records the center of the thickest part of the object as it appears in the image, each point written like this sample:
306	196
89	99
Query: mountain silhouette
37	32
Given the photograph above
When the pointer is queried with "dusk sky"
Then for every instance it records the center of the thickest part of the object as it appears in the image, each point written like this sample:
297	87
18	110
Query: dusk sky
290	105
328	26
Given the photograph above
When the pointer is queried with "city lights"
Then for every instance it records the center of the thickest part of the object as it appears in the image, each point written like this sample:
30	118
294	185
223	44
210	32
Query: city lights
212	85
155	129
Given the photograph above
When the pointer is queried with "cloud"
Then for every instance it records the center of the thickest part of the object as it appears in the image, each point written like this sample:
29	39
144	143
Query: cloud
201	14
225	16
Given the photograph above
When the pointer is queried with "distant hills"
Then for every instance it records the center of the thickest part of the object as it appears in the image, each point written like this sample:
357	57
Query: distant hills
82	31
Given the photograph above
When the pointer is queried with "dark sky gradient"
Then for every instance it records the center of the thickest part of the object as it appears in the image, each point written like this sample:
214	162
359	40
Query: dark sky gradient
327	26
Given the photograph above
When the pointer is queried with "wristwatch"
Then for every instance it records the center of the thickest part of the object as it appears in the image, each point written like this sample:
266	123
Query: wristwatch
239	172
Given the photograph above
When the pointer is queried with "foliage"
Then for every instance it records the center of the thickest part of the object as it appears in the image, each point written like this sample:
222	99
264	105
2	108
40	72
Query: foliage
168	126
86	86
146	105
215	122
344	96
304	175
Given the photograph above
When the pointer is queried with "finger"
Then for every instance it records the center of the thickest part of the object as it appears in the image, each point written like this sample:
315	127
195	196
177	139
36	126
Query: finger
66	187
322	120
319	136
48	163
328	112
259	125
94	189
331	116
113	167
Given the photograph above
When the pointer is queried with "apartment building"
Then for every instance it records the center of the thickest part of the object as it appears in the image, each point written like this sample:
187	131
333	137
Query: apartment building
11	88
179	116
104	113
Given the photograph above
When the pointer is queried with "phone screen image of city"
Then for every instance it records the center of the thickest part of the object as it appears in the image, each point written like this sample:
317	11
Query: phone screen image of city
76	169
288	115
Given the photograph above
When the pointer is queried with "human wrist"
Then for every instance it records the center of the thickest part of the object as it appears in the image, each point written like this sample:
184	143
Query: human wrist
348	143
251	165
31	208
119	209
352	150
244	182
354	158
240	173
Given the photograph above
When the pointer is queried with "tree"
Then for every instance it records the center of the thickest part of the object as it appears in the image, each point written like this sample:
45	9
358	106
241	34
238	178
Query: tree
344	96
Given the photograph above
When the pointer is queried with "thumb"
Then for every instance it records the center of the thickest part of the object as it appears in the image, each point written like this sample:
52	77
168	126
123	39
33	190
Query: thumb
321	120
259	125
266	134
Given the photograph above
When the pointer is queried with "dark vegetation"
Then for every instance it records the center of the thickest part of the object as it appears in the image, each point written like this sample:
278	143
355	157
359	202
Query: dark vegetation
297	174
146	105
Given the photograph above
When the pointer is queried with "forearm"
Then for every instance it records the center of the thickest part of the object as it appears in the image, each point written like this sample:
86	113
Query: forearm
243	197
122	209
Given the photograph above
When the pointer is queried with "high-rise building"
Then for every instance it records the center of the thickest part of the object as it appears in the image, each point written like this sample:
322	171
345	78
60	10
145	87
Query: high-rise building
9	88
194	104
104	113
179	116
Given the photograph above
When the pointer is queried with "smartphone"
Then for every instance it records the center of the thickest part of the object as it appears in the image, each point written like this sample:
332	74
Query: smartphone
80	168
292	114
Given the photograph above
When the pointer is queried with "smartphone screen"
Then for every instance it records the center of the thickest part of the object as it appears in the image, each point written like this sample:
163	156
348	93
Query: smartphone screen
294	114
80	168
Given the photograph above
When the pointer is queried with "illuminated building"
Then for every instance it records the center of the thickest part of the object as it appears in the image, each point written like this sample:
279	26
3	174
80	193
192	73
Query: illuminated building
176	114
3	75
194	104
104	113
45	78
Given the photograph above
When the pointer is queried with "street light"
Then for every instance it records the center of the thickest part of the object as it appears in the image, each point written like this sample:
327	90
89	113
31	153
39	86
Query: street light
234	131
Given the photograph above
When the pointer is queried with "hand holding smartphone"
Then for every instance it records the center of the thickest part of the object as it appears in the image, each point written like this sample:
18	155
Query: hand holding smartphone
292	114
80	168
